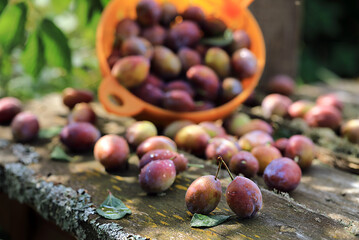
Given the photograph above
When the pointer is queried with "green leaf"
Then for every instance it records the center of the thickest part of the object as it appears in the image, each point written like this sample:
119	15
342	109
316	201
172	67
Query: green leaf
57	51
60	6
220	41
3	4
59	154
32	58
195	165
86	10
113	208
50	132
104	2
199	220
12	26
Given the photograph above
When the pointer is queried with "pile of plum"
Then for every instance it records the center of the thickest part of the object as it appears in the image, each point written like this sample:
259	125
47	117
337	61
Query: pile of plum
167	58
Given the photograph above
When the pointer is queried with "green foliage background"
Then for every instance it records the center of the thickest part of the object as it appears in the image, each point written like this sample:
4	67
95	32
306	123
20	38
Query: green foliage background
47	45
330	39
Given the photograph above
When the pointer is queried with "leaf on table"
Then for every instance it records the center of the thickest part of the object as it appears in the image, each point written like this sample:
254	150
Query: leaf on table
32	58
57	51
113	208
195	165
219	41
12	25
50	132
59	154
199	220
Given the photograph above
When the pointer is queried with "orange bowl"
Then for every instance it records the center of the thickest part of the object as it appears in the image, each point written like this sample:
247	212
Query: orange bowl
118	100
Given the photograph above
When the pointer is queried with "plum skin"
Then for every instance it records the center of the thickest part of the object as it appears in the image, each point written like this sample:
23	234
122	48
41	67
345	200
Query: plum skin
9	107
244	197
155	142
179	160
157	176
244	162
282	174
112	152
25	127
203	195
265	155
300	147
79	136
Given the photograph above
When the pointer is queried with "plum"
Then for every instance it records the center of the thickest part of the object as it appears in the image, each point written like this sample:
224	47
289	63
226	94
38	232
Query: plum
231	88
244	63
275	104
139	131
281	144
282	174
188	58
244	197
25	127
299	108
172	129
79	136
213	129
155	81
254	138
71	96
220	147
205	80
282	84
183	34
148	12
301	149
323	116
217	59
245	163
157	176
203	195
155	142
350	130
149	93
252	125
83	112
168	13
240	40
203	105
179	160
235	122
330	99
126	28
136	46
165	62
180	85
155	35
9	107
193	139
213	26
112	152
131	71
194	14
265	154
178	100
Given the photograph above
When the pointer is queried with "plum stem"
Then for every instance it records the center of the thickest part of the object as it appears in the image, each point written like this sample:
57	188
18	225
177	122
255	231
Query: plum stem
224	163
219	167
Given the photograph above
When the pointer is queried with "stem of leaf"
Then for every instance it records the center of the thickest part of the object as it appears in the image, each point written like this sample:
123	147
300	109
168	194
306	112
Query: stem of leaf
225	165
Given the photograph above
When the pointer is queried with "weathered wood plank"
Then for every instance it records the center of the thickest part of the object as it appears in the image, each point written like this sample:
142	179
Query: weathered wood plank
317	209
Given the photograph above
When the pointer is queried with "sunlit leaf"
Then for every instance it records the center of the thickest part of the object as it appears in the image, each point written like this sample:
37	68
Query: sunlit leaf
12	25
57	51
50	132
113	208
58	154
60	6
32	57
199	220
104	2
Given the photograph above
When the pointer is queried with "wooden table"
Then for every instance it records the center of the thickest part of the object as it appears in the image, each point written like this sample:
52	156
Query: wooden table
324	206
